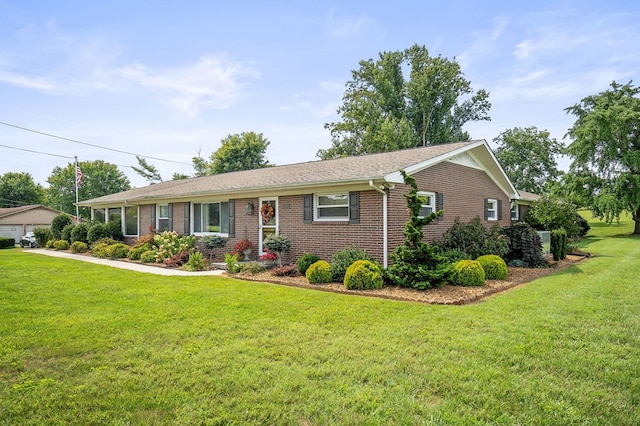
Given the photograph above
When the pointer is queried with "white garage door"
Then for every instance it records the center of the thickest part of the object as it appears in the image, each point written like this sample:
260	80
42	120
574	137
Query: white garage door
11	231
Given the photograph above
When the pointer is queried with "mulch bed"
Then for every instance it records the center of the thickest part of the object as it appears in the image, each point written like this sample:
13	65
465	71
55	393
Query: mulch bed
446	295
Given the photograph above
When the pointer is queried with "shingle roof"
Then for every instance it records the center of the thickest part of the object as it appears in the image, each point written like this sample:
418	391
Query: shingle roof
313	173
8	211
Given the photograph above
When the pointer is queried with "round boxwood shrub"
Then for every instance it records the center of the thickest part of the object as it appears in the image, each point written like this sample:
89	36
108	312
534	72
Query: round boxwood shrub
306	260
468	273
363	275
342	259
118	251
97	232
319	272
149	256
78	247
61	245
100	250
494	267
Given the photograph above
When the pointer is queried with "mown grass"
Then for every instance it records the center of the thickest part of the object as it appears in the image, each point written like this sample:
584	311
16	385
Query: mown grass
86	344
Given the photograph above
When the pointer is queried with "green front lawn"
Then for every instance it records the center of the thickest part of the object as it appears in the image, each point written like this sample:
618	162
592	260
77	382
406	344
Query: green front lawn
86	344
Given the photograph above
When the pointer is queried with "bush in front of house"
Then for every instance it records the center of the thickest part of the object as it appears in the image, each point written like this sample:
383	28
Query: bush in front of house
363	275
251	268
495	268
58	223
97	232
277	244
550	213
468	273
474	239
306	260
118	250
66	232
49	244
452	256
525	246
319	272
7	242
99	250
79	232
79	247
149	256
342	259
559	244
170	243
42	234
286	271
136	251
196	262
61	245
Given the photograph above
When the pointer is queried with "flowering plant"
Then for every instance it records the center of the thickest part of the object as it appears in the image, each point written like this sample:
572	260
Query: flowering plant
242	245
267	212
269	256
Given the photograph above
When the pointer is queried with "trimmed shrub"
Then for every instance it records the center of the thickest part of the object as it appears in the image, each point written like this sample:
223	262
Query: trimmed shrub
306	260
79	233
454	255
66	232
148	256
494	267
79	247
363	275
61	245
559	244
42	235
136	252
58	223
286	271
319	272
524	245
252	268
100	250
468	273
97	232
342	259
7	242
277	244
474	239
114	230
118	251
49	244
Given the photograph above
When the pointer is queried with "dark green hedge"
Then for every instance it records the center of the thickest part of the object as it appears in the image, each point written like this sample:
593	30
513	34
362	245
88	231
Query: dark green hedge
7	242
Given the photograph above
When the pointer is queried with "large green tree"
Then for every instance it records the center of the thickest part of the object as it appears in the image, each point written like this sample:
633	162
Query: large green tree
606	151
100	178
385	110
244	151
528	157
19	189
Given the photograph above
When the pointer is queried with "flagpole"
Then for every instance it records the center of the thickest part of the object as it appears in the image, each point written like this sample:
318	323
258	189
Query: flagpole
76	181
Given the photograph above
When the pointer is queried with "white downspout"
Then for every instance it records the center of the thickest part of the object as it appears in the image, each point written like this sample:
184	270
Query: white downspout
385	261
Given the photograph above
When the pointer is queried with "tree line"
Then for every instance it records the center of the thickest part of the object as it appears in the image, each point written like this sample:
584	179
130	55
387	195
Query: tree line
406	99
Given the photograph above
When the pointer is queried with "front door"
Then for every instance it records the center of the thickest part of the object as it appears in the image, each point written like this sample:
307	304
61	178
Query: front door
268	218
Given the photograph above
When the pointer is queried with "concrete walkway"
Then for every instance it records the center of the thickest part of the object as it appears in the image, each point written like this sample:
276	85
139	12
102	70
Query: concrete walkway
138	267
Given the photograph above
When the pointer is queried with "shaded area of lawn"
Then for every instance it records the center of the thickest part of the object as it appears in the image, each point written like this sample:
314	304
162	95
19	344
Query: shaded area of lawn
96	345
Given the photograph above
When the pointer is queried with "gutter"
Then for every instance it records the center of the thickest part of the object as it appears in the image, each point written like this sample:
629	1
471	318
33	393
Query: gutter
385	260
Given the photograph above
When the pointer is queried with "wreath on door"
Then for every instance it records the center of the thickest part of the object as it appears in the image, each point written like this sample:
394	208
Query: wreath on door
267	212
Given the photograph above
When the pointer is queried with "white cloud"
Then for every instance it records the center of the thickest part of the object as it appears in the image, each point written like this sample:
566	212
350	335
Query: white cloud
347	27
483	43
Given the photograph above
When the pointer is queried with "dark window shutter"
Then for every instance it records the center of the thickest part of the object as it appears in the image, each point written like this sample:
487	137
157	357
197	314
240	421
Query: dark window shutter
232	218
187	229
440	204
308	209
499	209
354	207
170	208
486	209
153	216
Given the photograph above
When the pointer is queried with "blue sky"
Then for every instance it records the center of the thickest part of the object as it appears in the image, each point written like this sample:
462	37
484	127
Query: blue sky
171	79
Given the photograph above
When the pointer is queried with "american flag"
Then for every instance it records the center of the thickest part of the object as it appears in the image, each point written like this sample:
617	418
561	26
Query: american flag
79	175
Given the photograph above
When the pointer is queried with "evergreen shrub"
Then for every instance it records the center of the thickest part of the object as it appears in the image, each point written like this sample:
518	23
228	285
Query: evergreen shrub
79	232
42	234
61	245
468	273
7	242
363	275
58	223
319	272
66	232
495	268
148	256
342	259
306	260
118	251
559	244
525	246
78	247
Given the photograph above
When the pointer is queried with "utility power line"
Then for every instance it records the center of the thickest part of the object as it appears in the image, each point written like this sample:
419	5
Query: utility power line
48	153
89	144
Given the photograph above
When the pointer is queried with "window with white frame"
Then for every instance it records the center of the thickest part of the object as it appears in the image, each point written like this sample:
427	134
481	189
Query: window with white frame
211	217
163	217
491	208
332	207
428	203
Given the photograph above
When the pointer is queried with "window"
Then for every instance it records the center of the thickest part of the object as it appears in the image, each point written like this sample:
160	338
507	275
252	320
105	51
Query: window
332	207
98	215
514	210
211	217
429	203
163	217
491	209
115	214
131	220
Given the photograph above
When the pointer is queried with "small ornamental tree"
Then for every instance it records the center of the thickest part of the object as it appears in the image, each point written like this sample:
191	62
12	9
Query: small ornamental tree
277	244
417	264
